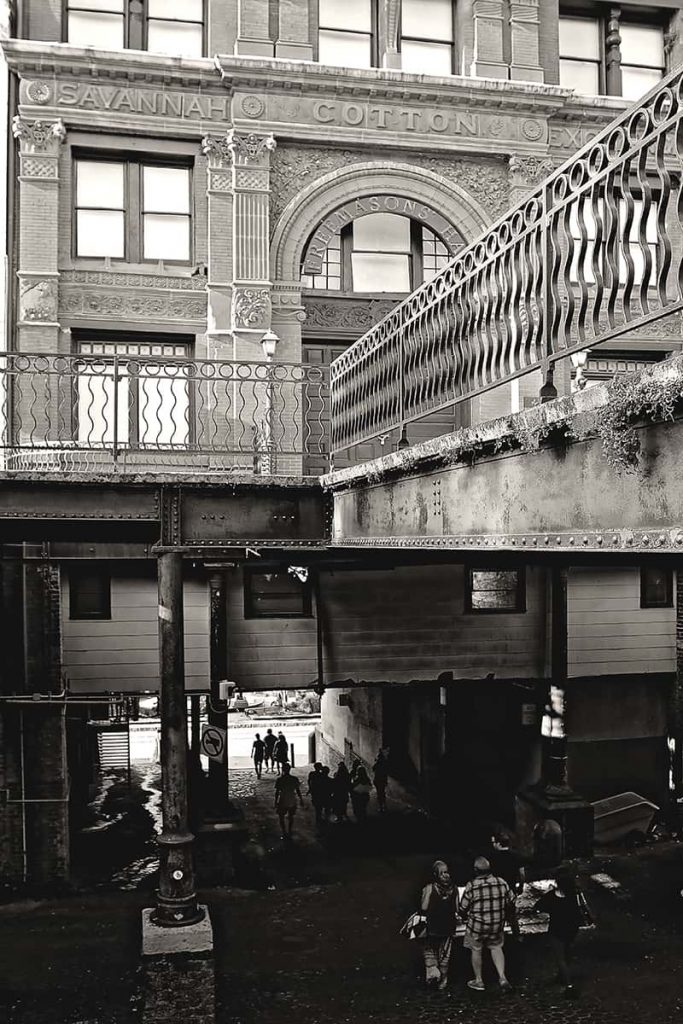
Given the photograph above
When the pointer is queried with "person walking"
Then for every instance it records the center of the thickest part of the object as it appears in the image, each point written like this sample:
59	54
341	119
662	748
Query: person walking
327	788
485	905
380	777
340	791
317	790
258	749
360	794
287	794
269	741
281	752
562	906
439	904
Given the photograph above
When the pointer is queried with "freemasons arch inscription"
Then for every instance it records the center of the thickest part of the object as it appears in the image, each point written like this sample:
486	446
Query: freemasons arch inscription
380	203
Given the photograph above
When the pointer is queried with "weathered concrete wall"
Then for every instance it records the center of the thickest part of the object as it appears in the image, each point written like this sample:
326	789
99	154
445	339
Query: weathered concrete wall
565	496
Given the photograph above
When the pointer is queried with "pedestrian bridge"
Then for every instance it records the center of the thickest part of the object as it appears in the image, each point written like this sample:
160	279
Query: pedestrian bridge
563	476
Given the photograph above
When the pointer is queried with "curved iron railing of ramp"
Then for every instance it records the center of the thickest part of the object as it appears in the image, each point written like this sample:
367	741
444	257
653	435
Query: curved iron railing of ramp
109	411
592	253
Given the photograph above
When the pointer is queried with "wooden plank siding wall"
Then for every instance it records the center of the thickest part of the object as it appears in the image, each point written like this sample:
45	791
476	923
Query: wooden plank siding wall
122	653
406	624
268	654
609	633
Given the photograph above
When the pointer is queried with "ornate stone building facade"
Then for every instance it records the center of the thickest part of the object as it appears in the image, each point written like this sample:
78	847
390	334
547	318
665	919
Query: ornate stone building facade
186	183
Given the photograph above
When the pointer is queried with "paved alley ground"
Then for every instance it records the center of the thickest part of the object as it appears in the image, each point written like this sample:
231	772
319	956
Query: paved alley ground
311	937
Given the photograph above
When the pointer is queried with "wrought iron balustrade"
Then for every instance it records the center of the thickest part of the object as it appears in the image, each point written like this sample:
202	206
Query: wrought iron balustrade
592	253
76	412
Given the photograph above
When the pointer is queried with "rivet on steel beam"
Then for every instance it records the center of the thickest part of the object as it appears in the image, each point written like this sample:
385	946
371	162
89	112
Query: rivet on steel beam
558	540
585	540
660	540
546	540
599	540
615	539
571	540
646	539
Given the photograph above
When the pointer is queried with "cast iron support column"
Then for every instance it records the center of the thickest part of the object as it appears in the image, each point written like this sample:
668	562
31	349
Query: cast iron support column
613	53
218	806
554	735
176	898
676	711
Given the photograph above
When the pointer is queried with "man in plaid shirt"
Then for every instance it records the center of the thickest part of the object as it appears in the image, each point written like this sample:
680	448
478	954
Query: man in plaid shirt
485	904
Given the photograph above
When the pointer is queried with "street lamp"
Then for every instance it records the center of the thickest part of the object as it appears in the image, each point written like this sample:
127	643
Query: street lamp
579	360
269	343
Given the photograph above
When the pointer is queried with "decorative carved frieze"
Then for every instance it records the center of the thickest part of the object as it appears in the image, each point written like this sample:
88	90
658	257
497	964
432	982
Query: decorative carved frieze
292	169
136	304
38	136
343	315
251	308
116	280
38	300
39	167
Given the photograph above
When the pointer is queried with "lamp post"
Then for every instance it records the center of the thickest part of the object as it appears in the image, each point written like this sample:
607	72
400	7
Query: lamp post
579	360
269	343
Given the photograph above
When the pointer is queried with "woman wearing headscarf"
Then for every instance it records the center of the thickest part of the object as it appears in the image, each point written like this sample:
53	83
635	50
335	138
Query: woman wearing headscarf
440	906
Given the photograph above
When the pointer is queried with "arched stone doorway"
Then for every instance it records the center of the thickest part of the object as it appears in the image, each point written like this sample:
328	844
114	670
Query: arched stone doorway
352	245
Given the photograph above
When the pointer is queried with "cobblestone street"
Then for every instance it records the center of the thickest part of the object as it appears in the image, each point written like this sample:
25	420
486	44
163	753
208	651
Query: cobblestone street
323	946
313	937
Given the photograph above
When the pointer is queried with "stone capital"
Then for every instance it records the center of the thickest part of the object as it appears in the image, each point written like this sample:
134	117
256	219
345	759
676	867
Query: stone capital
39	136
250	148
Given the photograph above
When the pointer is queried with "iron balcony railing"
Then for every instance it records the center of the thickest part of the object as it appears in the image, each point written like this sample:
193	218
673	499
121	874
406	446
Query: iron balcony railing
75	412
592	253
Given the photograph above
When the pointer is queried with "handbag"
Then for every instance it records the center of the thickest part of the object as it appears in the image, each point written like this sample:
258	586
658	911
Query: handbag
587	919
415	927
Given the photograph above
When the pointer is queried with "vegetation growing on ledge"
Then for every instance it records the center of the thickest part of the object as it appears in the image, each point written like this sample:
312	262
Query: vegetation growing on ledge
653	396
634	398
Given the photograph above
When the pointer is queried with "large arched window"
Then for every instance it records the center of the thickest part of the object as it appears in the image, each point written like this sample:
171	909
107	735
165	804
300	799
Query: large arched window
380	252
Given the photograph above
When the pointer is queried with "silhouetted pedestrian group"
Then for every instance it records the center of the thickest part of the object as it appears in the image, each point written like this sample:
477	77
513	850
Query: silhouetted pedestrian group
485	905
331	794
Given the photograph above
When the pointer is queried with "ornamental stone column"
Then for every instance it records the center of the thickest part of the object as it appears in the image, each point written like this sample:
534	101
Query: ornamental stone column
39	144
219	246
251	306
489	60
525	64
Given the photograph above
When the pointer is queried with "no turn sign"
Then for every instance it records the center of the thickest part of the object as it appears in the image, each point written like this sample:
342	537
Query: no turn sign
213	742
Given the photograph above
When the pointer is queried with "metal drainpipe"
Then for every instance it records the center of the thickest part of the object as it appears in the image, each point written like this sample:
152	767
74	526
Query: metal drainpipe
24	841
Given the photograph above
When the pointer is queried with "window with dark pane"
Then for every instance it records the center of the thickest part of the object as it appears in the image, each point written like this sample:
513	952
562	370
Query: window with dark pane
495	590
427	37
276	594
345	33
89	594
656	588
